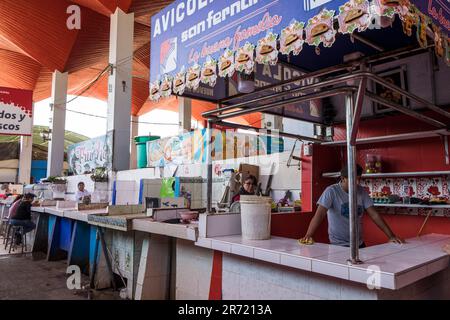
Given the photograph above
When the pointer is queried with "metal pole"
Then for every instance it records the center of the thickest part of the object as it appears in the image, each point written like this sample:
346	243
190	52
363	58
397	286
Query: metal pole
358	110
318	95
210	168
279	133
405	110
352	186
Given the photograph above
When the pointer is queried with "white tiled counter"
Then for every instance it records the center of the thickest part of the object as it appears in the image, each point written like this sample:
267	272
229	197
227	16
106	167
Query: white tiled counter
388	266
180	231
83	215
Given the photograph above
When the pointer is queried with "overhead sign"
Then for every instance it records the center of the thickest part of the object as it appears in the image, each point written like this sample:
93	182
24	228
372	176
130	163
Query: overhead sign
188	31
266	75
438	10
86	156
16	112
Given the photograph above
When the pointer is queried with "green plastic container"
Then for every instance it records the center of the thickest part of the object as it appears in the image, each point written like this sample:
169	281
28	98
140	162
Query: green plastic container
141	148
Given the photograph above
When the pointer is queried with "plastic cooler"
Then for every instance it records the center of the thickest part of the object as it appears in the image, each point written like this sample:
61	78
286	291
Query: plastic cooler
141	148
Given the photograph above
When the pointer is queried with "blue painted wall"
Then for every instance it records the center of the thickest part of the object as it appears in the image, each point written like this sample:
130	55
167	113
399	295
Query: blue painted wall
38	169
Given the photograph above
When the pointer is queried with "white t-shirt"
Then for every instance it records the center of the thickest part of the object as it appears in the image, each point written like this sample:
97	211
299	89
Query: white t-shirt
80	194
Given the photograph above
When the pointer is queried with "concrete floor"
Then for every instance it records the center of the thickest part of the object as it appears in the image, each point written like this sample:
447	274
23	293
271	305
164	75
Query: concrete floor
21	278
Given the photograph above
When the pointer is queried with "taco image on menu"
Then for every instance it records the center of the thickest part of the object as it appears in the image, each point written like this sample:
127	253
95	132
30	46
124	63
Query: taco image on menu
165	86
390	3
290	39
243	57
319	30
208	72
266	49
192	76
178	83
354	15
225	65
154	91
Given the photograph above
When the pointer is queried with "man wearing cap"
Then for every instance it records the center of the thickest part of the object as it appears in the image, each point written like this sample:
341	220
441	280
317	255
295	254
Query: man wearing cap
334	203
22	216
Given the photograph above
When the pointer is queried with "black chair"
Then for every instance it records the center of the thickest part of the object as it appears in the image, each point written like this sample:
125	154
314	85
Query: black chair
12	230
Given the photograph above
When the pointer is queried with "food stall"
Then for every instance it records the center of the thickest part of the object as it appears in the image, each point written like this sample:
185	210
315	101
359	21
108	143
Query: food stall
374	75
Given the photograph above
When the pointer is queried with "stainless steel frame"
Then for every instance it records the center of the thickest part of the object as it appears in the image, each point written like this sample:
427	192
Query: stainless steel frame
353	114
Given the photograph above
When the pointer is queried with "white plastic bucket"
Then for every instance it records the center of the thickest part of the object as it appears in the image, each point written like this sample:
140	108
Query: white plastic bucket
255	217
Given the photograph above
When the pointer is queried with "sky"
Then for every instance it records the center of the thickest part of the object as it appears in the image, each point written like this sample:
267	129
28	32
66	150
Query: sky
95	126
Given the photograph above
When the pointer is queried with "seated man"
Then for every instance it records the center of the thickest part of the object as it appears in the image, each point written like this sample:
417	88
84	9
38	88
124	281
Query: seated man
334	203
81	192
22	216
248	188
13	209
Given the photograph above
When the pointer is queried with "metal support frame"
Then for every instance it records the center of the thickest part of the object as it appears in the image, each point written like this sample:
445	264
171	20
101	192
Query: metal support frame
210	168
308	97
352	184
358	110
393	137
447	157
269	132
353	115
405	110
246	108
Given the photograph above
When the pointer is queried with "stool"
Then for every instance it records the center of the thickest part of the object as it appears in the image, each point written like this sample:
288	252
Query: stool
11	237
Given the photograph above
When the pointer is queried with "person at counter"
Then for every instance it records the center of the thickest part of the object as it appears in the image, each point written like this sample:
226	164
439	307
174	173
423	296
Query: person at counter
22	216
334	203
247	188
13	209
81	192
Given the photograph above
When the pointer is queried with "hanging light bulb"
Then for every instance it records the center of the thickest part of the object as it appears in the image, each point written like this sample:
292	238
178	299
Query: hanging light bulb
246	82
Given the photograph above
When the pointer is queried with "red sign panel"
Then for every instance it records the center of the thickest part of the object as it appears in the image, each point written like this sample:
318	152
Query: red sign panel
16	112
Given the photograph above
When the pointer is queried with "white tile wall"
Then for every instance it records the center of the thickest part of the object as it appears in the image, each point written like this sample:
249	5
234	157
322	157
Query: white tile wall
240	250
266	255
330	269
221	246
296	262
203	242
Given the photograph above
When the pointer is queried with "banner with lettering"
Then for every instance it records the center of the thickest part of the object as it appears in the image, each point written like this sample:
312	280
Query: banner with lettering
188	31
86	156
438	11
16	112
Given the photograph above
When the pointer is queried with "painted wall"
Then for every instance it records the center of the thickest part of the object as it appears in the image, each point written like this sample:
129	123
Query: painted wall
38	169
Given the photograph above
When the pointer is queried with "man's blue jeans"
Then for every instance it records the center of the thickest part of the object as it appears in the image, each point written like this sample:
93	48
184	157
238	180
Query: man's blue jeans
27	225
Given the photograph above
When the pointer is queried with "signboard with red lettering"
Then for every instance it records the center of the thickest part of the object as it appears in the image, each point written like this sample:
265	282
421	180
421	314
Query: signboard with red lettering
16	112
438	10
188	31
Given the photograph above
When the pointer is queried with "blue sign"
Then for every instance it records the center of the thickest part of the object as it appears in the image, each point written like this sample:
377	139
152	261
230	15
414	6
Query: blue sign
438	10
188	31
